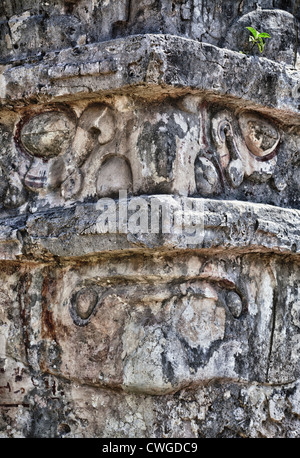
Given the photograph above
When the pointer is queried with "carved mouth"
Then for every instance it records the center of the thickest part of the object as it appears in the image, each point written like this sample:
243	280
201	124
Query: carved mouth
35	182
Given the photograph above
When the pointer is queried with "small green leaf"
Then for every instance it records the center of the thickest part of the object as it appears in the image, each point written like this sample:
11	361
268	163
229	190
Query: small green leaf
264	35
253	31
257	38
261	47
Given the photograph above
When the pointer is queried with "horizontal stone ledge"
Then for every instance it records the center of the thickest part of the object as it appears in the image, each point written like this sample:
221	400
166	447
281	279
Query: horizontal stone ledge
150	223
152	66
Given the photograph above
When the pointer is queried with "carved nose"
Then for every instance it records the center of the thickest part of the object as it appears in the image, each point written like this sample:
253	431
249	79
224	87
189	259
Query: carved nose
99	121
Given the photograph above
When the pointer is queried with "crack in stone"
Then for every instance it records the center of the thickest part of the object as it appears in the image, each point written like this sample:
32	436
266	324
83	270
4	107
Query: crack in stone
272	336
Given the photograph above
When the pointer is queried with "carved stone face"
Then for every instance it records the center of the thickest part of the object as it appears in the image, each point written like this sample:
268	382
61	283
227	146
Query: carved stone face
186	147
157	333
115	317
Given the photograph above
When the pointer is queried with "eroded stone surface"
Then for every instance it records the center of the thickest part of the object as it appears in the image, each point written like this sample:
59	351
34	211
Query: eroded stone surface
27	29
151	338
149	220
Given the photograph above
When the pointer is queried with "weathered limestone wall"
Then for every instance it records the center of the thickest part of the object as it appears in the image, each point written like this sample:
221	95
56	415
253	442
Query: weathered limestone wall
149	219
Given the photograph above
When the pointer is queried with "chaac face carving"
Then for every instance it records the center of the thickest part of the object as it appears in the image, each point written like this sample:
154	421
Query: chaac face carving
140	314
185	146
57	148
158	333
97	305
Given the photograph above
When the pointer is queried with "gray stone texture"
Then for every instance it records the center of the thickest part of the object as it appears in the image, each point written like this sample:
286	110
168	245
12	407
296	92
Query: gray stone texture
149	219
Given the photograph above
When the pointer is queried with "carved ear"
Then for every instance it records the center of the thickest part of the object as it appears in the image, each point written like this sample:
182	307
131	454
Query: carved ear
261	137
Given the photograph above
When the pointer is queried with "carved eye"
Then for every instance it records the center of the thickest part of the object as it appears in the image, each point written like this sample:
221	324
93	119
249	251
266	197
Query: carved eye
83	305
261	137
47	134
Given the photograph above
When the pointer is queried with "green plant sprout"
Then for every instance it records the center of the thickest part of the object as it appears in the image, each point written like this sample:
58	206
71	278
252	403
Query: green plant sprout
257	38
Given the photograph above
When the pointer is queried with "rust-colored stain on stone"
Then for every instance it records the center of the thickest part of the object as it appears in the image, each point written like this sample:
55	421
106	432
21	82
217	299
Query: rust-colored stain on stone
47	294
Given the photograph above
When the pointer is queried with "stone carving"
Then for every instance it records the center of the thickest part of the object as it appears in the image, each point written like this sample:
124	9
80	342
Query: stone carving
149	220
96	127
206	176
43	140
83	305
156	338
260	136
237	152
102	150
47	135
246	148
107	185
115	324
55	148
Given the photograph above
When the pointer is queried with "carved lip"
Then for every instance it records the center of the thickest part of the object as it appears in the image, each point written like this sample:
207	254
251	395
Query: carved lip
35	182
